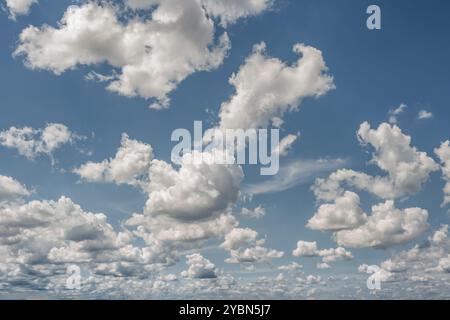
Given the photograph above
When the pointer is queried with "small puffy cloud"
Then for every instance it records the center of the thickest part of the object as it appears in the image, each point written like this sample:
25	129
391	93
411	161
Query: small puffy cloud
294	266
129	166
31	142
424	114
266	88
443	152
11	190
408	169
199	268
149	56
306	249
394	113
254	254
19	7
344	213
310	250
245	247
385	227
255	213
440	235
238	238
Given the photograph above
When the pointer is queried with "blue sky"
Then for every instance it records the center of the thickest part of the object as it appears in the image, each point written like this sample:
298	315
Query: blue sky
374	71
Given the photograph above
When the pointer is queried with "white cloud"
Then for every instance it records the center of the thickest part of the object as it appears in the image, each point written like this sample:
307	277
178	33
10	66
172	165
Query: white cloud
11	190
129	166
293	266
19	7
286	144
292	174
255	213
238	238
309	250
148	57
443	152
31	142
424	114
254	254
244	247
228	11
408	169
385	227
199	268
344	213
198	190
266	88
394	113
305	249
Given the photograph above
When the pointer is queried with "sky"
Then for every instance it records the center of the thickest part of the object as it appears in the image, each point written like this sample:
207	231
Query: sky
91	91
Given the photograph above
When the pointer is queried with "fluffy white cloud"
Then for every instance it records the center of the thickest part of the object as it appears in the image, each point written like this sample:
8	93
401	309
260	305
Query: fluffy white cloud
228	11
149	56
19	7
198	190
266	88
443	152
129	166
11	189
199	268
245	247
238	238
309	250
255	213
344	213
306	249
408	169
254	254
31	142
386	226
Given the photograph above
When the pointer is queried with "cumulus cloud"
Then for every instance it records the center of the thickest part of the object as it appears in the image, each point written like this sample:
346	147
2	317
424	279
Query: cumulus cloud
11	189
408	169
39	238
256	213
199	268
129	166
245	247
310	250
293	266
443	152
344	213
149	56
31	142
198	190
228	11
385	227
19	7
266	88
